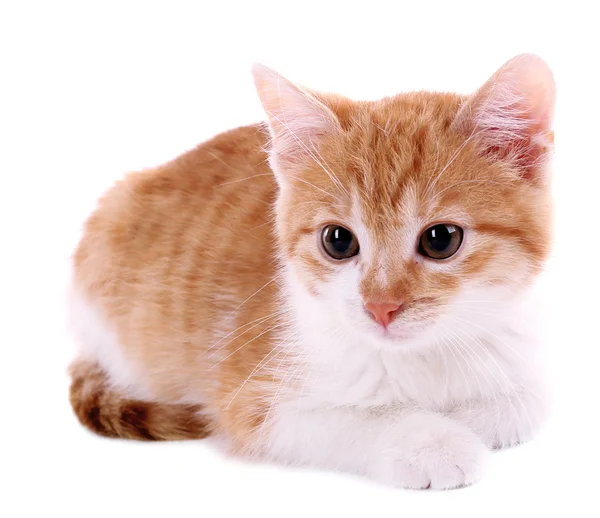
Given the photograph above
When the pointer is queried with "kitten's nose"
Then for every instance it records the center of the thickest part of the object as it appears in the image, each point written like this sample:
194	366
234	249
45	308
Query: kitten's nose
383	312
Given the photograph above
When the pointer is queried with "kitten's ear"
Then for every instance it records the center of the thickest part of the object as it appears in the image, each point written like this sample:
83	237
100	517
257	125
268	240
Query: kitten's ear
511	115
297	120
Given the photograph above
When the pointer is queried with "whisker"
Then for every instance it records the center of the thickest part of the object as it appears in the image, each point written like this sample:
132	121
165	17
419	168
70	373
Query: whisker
489	383
259	320
256	293
268	330
260	364
451	349
511	387
503	342
455	340
242	179
285	379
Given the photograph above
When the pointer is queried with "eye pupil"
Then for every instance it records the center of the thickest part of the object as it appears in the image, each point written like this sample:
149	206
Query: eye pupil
339	242
341	239
441	241
439	237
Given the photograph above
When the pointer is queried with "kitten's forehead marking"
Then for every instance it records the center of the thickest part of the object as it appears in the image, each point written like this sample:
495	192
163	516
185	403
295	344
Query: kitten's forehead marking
389	240
409	220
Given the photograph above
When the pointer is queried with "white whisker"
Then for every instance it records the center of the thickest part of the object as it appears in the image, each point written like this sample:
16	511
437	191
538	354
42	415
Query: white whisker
243	179
269	329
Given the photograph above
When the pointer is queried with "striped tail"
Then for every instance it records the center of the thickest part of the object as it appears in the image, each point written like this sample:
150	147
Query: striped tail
106	412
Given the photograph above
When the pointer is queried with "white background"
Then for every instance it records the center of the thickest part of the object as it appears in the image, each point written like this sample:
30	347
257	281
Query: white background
89	90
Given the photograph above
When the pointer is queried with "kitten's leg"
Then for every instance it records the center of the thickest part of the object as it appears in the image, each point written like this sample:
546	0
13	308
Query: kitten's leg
408	448
506	420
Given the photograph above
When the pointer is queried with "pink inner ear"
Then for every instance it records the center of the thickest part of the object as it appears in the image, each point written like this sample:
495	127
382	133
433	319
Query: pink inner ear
511	115
296	118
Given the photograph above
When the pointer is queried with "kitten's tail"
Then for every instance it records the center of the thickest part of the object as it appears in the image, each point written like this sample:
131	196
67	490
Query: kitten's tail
111	414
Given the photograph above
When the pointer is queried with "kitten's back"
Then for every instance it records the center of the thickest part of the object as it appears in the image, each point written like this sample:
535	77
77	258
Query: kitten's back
171	252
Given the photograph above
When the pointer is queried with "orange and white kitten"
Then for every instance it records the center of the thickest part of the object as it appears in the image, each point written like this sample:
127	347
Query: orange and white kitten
356	297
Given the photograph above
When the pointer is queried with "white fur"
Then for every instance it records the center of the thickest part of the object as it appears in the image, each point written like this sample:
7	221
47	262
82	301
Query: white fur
97	340
402	447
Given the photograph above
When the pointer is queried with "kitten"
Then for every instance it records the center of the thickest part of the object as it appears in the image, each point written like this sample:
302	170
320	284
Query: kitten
357	297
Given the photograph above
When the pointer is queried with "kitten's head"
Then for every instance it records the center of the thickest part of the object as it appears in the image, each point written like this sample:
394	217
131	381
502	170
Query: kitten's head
404	216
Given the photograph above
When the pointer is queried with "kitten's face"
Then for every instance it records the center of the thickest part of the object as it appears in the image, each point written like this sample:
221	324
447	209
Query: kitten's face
404	227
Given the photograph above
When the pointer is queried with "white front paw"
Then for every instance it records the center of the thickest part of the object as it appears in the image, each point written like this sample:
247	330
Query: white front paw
430	451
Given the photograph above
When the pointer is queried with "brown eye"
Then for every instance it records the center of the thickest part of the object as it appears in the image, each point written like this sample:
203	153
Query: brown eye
339	242
441	241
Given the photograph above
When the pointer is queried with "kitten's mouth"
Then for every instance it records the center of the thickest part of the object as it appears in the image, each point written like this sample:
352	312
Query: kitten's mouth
404	329
393	333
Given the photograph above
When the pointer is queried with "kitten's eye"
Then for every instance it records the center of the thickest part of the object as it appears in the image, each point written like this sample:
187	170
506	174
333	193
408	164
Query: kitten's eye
339	242
441	241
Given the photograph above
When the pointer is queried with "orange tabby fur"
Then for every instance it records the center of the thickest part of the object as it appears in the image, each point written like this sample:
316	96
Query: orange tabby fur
178	257
153	258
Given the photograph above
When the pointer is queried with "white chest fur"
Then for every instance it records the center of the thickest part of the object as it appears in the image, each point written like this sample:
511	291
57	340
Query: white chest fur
490	353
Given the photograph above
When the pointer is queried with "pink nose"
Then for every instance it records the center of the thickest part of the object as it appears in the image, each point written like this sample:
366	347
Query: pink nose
383	312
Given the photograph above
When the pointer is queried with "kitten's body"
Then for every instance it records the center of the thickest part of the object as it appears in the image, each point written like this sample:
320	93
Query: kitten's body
202	307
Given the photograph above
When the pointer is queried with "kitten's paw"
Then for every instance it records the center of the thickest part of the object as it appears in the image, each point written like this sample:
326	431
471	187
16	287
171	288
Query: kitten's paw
431	451
503	422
